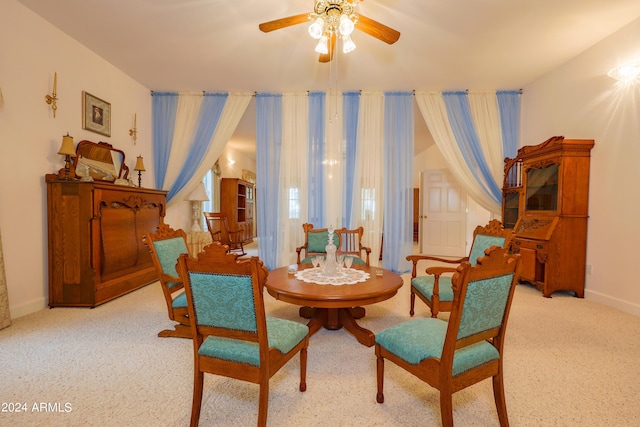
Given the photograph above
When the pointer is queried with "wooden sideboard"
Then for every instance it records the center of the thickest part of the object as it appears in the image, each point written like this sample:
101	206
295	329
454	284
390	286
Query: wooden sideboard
95	234
546	201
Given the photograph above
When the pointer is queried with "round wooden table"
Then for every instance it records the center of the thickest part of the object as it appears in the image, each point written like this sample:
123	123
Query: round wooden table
334	307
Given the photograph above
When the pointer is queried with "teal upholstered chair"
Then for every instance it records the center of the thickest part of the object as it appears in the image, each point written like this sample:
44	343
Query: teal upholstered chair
348	242
434	289
232	336
468	348
166	245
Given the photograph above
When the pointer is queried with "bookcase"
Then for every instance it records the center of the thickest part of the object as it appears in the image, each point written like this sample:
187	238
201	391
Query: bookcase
545	199
237	201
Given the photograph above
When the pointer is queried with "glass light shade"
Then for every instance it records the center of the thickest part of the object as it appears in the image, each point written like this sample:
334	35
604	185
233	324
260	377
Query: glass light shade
626	72
322	47
67	146
199	194
347	44
346	25
316	29
139	164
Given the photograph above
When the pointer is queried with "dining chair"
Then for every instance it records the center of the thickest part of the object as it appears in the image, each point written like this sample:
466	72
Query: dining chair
434	289
232	336
166	245
315	242
351	245
218	227
455	354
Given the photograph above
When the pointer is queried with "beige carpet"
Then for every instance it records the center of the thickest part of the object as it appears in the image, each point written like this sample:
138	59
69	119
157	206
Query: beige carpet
568	362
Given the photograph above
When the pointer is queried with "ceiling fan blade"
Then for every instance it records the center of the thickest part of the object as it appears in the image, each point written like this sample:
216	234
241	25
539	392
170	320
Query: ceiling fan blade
332	47
377	30
283	22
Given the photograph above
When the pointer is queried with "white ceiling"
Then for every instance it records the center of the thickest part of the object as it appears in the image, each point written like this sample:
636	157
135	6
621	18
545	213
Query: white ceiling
215	45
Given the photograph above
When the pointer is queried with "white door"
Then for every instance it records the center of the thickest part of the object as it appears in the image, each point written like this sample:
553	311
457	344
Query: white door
443	215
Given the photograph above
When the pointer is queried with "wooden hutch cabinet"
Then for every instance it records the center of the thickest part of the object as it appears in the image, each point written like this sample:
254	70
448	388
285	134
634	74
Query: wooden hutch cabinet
546	201
237	200
95	234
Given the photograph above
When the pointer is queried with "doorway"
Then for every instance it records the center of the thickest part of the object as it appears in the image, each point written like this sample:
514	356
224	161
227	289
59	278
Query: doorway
443	214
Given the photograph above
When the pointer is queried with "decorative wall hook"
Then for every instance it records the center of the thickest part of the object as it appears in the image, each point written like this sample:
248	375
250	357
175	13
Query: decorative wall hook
51	99
134	132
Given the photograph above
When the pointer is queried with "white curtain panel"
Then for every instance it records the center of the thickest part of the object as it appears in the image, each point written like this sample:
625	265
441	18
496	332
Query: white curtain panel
486	118
293	174
233	111
434	111
186	116
334	154
368	188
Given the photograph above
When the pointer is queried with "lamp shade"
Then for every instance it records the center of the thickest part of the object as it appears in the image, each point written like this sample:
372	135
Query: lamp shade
67	146
199	194
139	164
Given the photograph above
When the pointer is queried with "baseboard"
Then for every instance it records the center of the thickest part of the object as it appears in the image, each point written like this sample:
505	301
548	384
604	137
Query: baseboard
27	308
626	306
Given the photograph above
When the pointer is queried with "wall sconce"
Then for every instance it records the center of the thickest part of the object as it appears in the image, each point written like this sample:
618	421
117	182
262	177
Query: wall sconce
68	151
51	99
140	168
134	132
196	197
626	73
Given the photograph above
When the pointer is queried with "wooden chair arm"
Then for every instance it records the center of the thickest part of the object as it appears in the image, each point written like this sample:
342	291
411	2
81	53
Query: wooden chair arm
417	258
169	278
437	271
299	249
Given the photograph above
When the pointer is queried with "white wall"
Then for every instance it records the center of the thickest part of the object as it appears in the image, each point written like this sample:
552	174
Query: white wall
578	100
31	50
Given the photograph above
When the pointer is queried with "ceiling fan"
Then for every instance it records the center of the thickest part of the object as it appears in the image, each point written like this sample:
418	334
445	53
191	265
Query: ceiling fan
332	19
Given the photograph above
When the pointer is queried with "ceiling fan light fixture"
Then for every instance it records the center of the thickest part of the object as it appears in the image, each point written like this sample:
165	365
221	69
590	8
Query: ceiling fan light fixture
322	47
316	29
347	44
346	25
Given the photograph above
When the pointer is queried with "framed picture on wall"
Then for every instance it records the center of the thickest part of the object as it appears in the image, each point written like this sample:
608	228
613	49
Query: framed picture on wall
96	114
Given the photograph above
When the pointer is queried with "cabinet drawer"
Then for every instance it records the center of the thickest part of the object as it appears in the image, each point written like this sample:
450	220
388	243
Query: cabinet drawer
536	245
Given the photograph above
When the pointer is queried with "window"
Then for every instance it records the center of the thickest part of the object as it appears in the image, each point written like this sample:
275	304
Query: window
368	208
294	203
207	205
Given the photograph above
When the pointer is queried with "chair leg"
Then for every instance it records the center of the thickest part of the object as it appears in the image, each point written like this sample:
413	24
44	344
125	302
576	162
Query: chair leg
435	306
413	303
380	372
198	380
303	369
263	402
501	403
179	331
446	408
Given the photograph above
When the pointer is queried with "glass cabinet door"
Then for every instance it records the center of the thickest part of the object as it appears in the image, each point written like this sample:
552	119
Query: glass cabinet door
542	189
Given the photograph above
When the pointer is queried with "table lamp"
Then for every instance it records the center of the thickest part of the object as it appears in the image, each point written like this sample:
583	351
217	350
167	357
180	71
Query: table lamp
196	197
139	167
67	150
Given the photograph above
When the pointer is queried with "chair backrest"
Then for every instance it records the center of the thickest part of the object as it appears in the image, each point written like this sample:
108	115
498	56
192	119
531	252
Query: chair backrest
166	245
316	239
351	243
492	234
225	295
218	226
482	300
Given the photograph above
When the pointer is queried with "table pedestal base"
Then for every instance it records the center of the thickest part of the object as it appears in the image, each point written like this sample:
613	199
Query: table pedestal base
337	318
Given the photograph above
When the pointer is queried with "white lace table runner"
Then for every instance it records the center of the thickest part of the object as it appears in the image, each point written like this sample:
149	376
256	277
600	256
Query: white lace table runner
343	276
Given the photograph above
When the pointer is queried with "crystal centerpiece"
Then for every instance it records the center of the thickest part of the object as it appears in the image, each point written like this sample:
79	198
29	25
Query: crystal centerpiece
330	265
